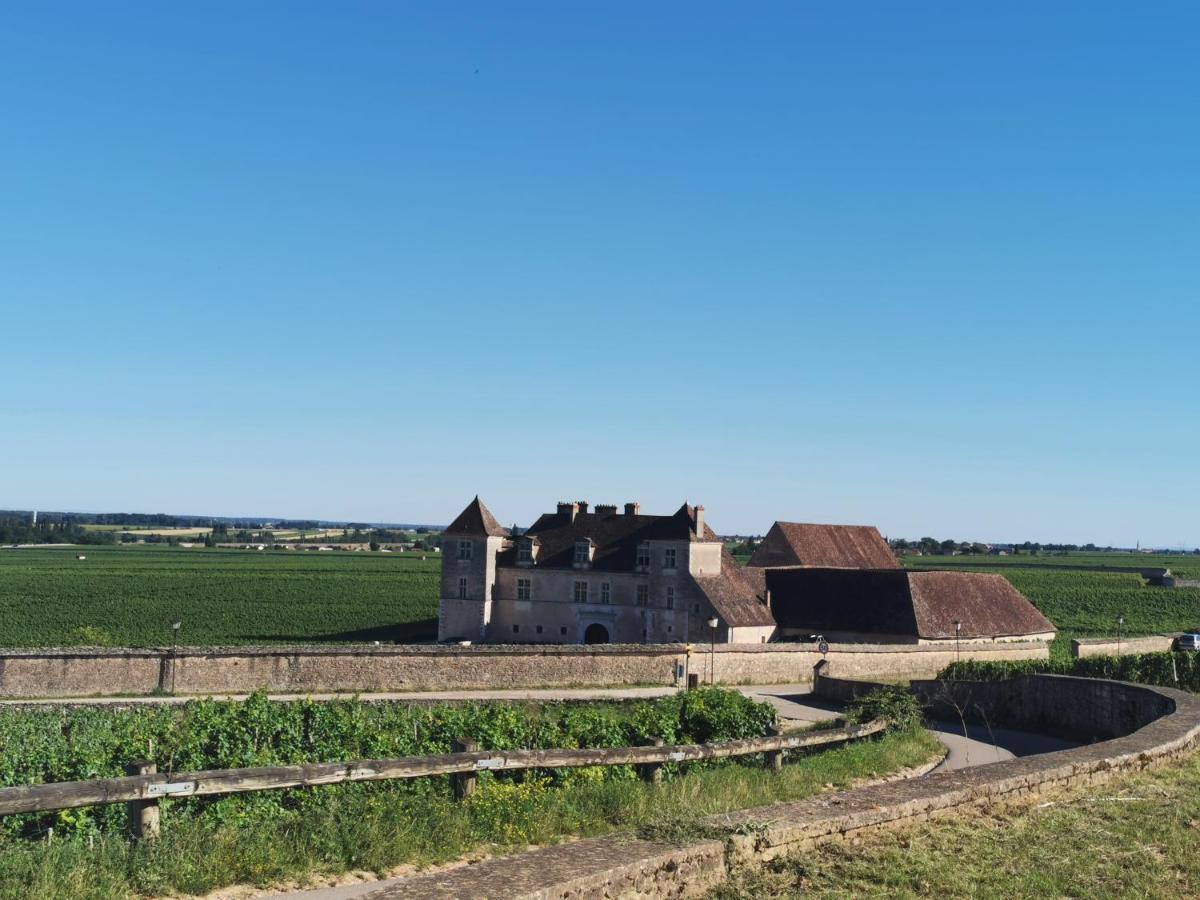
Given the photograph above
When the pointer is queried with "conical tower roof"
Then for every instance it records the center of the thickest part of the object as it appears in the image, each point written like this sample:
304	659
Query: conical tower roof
477	519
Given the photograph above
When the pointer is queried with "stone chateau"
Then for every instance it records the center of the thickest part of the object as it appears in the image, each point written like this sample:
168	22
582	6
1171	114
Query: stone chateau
616	575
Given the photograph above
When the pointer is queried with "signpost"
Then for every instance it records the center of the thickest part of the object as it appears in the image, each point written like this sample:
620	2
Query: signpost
823	647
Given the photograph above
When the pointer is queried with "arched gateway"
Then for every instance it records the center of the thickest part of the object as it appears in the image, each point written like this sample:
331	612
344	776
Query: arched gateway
595	634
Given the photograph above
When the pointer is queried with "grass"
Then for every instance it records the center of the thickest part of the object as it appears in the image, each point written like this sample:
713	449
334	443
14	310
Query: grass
1136	836
129	596
378	830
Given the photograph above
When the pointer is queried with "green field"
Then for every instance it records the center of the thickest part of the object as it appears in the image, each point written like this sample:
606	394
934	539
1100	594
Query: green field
129	596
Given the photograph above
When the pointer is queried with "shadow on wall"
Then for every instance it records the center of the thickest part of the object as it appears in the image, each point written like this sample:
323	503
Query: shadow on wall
405	633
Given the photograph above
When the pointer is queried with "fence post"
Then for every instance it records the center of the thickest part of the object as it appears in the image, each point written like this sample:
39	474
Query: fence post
775	757
464	782
652	772
143	814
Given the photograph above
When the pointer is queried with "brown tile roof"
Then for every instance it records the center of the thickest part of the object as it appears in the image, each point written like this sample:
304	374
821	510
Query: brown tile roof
897	602
826	546
615	536
476	519
734	594
986	605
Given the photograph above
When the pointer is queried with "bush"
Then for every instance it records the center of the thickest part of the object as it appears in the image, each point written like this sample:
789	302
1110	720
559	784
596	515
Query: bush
901	709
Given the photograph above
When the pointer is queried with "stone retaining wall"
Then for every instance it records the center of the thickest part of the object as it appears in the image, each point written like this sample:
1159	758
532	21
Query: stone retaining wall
85	672
1169	729
1155	643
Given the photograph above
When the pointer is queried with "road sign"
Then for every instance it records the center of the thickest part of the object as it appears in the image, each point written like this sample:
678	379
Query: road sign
823	647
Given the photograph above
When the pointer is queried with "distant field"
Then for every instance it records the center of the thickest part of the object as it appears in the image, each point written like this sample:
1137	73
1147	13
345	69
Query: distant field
130	595
1087	604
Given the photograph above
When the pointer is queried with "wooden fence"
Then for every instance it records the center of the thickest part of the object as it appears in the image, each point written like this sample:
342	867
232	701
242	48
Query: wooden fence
144	786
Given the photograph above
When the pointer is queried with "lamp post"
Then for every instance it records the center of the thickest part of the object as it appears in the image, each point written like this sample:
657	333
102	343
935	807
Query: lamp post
1120	622
712	649
175	626
957	641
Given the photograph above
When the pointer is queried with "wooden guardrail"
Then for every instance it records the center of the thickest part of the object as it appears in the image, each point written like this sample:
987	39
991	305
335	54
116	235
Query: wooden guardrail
143	790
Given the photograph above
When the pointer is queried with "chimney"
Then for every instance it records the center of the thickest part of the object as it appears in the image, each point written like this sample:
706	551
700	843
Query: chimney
582	505
698	520
606	509
631	509
568	510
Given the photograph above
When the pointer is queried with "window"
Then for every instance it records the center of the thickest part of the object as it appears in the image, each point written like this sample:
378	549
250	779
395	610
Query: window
643	556
643	595
670	629
539	629
696	608
525	553
516	629
581	592
562	629
583	553
462	587
670	598
605	592
465	549
524	591
669	558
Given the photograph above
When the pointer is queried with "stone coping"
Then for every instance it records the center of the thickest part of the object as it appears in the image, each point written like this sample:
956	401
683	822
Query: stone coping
644	869
365	649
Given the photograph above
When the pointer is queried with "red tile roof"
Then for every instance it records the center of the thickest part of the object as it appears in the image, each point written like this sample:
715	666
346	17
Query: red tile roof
477	520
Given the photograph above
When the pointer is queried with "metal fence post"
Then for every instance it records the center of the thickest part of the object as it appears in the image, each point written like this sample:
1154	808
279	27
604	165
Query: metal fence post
143	821
464	782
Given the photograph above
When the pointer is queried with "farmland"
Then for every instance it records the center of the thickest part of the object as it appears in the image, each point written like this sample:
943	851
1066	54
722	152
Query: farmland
130	596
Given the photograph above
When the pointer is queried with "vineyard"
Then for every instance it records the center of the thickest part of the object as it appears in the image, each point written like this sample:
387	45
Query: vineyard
1177	670
130	597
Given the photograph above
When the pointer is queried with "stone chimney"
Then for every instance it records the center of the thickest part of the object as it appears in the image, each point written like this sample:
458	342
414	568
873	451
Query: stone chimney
568	510
582	505
698	520
606	509
632	509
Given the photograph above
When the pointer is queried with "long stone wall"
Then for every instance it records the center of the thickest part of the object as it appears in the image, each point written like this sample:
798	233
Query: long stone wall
350	669
621	866
1154	643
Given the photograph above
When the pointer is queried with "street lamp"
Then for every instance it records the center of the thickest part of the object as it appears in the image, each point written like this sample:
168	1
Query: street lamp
175	626
1120	622
712	649
957	640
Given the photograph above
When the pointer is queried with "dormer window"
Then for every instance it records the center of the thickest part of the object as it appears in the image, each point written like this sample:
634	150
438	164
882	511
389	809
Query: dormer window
643	557
525	553
583	554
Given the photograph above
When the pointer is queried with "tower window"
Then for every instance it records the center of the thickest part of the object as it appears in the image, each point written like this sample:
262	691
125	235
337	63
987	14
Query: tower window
465	549
669	555
462	587
670	598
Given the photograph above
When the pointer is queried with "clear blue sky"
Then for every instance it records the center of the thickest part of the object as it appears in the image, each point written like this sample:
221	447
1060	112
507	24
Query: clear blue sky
931	266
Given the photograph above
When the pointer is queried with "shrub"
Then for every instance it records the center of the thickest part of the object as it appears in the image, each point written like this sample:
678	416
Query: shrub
898	706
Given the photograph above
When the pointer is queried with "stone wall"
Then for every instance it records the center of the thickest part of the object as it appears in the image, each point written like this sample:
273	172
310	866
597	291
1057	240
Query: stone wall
314	668
1155	643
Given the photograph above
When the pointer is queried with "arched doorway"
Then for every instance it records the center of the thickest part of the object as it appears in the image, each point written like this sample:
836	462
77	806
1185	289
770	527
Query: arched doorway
595	634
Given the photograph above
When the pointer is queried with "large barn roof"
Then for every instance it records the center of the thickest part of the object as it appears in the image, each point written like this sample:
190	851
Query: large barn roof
897	602
825	546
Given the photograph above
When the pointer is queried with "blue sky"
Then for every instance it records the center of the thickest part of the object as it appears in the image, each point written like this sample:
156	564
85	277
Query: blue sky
930	266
